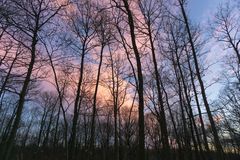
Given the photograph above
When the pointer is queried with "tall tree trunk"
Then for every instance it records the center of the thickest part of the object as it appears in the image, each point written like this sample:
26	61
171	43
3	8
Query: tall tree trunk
7	129
120	136
198	107
163	125
173	122
213	126
55	139
45	141
115	108
10	140
187	141
141	138
181	83
3	121
190	113
43	120
94	109
60	96
25	138
77	104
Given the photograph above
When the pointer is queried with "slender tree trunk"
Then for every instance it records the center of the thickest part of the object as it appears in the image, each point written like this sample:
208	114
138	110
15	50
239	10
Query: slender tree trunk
190	113
43	120
10	141
7	129
115	108
199	108
187	105
7	76
187	141
45	141
120	136
24	141
217	142
60	96
94	109
163	125
3	121
56	129
174	124
77	105
141	134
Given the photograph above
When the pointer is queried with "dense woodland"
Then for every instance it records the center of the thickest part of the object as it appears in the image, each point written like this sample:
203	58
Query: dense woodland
118	80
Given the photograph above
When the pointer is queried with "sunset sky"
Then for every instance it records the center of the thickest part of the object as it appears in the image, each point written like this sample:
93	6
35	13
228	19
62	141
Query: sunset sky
119	79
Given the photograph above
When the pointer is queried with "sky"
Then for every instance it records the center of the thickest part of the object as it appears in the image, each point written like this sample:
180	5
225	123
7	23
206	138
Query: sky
200	10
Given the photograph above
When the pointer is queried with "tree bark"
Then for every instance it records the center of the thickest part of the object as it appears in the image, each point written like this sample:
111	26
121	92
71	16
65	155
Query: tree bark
198	107
77	104
163	125
94	109
217	142
141	138
10	141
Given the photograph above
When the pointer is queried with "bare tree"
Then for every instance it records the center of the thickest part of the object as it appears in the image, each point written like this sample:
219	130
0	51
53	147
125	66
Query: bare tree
31	18
103	31
203	92
126	9
152	14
